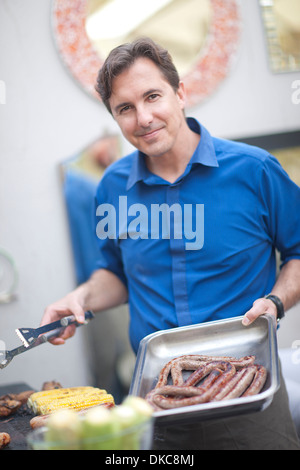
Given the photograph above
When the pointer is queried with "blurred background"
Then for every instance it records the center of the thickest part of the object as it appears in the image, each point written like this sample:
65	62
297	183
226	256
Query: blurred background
240	62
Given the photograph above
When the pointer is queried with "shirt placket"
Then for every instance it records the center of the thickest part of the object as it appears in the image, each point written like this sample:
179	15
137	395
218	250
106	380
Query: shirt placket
178	264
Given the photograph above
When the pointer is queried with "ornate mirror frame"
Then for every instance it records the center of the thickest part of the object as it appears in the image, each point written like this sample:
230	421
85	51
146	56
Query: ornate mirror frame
211	69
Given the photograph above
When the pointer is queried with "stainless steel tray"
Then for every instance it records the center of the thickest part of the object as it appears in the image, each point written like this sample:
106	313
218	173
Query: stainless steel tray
221	337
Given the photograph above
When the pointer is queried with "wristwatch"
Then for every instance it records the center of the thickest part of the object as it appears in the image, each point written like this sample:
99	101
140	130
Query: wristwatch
279	305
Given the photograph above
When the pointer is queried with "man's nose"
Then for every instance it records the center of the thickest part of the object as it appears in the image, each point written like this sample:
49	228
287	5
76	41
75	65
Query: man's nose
144	116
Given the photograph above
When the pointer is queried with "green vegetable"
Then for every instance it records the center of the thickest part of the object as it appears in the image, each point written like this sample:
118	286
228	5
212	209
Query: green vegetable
128	420
99	430
120	428
143	409
144	412
63	431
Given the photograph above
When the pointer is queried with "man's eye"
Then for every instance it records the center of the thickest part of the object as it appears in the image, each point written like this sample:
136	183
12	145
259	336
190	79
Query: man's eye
153	96
126	108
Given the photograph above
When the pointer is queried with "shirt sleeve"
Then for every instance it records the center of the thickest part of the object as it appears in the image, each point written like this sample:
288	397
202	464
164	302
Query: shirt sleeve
281	209
109	251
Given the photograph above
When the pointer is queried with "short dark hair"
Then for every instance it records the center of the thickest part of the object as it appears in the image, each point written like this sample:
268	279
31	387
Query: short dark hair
123	56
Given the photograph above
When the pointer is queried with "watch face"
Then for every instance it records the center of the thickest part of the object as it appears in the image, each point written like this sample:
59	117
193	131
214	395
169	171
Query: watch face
8	277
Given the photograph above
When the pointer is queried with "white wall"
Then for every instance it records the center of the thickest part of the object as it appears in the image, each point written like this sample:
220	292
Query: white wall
47	118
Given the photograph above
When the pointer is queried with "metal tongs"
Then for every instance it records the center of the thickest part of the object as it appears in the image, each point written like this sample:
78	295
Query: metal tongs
32	337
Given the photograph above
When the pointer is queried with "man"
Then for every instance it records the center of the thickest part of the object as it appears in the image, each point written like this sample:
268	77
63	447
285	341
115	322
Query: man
187	227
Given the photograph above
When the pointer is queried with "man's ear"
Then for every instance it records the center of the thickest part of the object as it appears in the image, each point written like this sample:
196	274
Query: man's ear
181	94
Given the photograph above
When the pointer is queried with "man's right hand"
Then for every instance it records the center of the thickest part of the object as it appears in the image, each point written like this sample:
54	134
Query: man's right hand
69	305
102	291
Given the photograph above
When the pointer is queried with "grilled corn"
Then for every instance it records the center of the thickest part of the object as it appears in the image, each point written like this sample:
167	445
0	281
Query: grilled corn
77	403
55	393
45	396
75	397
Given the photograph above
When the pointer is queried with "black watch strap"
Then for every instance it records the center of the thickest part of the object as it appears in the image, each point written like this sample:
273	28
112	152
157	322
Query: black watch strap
279	305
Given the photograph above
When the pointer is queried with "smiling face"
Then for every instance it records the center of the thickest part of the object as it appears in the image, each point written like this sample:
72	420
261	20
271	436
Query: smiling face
147	109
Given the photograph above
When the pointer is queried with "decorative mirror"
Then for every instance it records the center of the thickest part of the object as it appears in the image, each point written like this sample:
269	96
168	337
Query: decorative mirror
201	35
281	20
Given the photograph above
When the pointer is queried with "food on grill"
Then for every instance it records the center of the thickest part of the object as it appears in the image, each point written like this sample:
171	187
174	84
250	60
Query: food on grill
4	439
23	396
51	385
39	421
47	401
8	405
214	378
11	402
42	420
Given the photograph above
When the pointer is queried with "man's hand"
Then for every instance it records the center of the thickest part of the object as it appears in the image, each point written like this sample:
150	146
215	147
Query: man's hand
102	291
69	305
260	306
287	288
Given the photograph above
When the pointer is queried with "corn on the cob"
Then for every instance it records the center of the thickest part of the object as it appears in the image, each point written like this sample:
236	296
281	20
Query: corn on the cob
55	392
41	398
44	396
77	403
73	397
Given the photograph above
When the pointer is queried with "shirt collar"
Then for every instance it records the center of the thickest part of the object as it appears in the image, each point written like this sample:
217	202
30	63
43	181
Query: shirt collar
203	155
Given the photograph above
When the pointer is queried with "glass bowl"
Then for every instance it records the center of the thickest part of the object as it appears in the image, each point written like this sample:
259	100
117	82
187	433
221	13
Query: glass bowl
138	437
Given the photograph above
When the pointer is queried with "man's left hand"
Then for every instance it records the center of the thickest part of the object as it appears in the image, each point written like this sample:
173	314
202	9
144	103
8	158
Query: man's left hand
260	306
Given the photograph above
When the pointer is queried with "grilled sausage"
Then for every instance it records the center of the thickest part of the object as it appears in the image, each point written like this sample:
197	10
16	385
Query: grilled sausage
237	385
258	382
214	378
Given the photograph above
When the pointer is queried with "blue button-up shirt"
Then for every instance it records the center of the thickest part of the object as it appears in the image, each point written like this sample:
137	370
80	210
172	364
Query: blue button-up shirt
212	252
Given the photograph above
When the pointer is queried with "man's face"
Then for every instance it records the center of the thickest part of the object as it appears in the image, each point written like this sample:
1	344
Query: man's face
147	109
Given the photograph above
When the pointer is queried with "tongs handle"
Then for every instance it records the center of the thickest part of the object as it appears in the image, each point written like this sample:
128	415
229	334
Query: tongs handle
63	323
46	337
29	335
